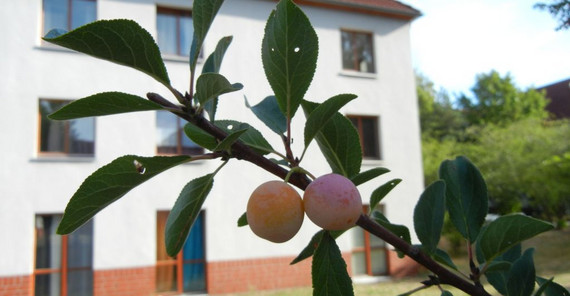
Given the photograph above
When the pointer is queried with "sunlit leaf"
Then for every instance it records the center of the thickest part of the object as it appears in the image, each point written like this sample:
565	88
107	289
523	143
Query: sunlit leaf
111	182
379	193
101	104
368	175
323	113
185	211
203	14
211	85
120	41
213	65
289	55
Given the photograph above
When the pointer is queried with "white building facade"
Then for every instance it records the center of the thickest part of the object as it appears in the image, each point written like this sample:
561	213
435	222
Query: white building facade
364	49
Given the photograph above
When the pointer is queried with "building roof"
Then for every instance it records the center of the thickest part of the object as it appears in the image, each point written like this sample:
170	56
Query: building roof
559	95
389	8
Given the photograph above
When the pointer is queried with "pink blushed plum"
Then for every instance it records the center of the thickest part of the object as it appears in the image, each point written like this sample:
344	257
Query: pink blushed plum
332	202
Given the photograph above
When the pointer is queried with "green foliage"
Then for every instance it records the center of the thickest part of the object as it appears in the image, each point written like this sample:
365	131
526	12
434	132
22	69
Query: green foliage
111	182
289	54
330	276
428	216
498	101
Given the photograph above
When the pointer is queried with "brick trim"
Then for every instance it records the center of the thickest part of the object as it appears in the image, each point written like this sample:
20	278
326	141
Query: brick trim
124	282
20	285
259	274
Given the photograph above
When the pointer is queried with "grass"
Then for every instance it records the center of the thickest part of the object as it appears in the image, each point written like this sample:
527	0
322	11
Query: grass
552	259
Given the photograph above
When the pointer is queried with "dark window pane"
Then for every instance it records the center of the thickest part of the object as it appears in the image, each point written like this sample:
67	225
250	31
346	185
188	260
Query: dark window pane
83	12
55	15
194	277
80	282
75	137
166	278
357	51
48	243
167	33
370	137
80	247
47	284
82	136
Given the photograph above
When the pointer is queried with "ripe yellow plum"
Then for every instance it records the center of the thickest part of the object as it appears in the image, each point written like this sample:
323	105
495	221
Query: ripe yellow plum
332	202
275	211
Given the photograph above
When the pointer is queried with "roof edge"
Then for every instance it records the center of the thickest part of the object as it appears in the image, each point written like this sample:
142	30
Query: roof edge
409	14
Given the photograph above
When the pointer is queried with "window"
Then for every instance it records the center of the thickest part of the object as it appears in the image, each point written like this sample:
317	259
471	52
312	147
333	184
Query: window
71	138
175	31
170	137
357	51
68	14
186	272
369	256
367	127
64	264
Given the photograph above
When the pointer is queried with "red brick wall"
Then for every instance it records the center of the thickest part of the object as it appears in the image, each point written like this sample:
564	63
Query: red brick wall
259	274
401	267
124	282
16	285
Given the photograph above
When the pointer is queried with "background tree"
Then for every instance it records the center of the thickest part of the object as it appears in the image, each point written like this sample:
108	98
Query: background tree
497	100
559	9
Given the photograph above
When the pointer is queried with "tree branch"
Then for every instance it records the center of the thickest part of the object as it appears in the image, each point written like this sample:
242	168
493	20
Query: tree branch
243	152
445	275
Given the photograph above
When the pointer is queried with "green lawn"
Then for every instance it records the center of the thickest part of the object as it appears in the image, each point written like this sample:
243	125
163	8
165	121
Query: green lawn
552	258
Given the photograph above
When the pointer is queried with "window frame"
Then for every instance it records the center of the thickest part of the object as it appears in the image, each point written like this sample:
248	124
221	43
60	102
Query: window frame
67	132
367	248
179	260
69	15
177	13
179	139
63	270
359	128
356	69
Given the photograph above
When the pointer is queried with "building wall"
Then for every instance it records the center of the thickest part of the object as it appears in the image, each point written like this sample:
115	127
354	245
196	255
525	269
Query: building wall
125	232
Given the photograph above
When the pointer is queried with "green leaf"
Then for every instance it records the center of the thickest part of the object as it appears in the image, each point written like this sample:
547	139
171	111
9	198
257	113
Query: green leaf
323	113
446	293
496	266
442	257
520	281
211	85
466	196
368	175
328	270
213	65
230	139
339	142
507	231
428	216
252	137
550	288
269	113
309	250
185	211
120	41
289	53
111	182
200	137
242	221
400	230
203	14
498	277
101	104
379	193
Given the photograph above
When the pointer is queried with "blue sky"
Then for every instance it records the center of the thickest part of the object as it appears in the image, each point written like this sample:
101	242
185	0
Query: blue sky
455	40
